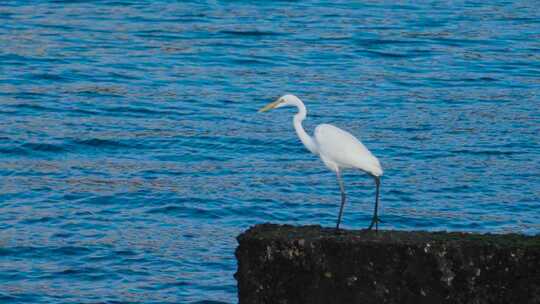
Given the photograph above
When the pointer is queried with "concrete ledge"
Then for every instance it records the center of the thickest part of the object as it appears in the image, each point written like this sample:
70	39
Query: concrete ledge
287	264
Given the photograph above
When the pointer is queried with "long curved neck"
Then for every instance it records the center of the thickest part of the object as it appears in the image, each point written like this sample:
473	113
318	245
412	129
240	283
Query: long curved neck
297	121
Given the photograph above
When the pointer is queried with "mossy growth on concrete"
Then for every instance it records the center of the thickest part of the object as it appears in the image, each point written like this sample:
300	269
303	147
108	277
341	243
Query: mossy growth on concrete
310	264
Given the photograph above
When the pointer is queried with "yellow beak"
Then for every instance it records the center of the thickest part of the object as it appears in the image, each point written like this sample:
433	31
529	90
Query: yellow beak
269	106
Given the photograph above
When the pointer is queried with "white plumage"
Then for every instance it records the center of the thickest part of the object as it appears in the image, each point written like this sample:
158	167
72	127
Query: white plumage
338	149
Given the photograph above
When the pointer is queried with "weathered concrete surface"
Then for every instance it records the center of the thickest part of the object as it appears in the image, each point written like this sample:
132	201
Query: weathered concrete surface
287	264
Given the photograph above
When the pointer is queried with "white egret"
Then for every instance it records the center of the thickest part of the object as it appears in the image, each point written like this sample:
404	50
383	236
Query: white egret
338	149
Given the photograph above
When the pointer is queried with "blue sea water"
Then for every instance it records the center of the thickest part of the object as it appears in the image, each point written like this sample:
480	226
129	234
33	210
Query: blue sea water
131	153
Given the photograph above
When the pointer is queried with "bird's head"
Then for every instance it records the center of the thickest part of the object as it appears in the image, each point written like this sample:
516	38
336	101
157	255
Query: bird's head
285	100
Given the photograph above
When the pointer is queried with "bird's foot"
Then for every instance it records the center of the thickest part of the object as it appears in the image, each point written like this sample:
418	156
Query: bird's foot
339	231
375	221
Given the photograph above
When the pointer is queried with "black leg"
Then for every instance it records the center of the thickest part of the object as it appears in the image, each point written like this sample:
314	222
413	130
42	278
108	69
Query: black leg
375	220
342	189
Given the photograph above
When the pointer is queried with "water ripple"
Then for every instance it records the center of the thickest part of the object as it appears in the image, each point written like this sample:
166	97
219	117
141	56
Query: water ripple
132	154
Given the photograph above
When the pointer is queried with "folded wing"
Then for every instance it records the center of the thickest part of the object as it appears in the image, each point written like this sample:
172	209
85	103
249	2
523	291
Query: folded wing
345	150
